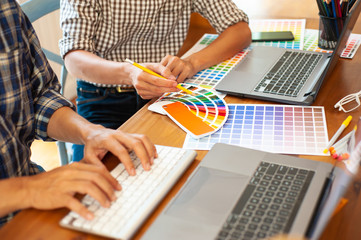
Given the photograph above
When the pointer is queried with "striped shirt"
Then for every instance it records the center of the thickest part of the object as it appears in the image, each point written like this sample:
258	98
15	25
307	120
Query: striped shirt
29	94
141	30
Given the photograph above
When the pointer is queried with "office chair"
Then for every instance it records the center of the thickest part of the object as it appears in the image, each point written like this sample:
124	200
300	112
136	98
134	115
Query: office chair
36	9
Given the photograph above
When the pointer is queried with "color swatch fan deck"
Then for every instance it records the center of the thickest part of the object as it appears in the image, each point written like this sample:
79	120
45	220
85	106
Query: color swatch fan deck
199	115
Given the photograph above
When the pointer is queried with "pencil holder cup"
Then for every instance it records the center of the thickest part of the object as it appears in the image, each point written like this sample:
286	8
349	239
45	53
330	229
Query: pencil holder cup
329	31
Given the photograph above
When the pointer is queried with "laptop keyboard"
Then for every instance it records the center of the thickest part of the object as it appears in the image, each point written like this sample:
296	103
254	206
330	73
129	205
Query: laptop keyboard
269	203
139	195
289	74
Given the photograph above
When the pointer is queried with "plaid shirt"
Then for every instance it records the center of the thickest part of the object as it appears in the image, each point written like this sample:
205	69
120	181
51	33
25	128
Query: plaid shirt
144	31
29	94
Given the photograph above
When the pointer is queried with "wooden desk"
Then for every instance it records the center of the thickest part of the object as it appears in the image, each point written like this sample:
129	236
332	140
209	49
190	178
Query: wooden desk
35	224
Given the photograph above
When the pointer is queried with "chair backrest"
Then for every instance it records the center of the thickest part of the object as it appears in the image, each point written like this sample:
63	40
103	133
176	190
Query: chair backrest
35	9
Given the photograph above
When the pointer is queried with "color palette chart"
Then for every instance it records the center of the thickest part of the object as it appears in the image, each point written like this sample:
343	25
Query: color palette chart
205	105
296	26
210	77
311	44
273	128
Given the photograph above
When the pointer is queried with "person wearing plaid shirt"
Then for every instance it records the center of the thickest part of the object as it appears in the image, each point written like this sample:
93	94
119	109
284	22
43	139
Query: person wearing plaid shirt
98	35
32	107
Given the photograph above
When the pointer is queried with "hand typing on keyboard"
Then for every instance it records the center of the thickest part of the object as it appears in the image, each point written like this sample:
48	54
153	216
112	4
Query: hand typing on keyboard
56	188
119	143
139	195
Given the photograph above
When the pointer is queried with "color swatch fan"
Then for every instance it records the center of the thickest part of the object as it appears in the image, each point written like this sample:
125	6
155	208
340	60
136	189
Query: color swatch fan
199	115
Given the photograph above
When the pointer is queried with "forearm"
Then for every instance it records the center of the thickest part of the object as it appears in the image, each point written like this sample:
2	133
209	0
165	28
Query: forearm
14	195
88	66
226	45
68	126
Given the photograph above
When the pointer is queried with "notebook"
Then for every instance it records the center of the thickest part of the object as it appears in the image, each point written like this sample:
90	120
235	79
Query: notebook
240	193
301	73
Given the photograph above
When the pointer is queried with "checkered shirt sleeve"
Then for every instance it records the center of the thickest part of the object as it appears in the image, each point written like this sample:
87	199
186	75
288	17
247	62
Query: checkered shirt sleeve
144	31
220	13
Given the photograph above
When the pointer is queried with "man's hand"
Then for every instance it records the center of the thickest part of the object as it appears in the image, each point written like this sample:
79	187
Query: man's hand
66	125
56	188
100	140
149	86
180	68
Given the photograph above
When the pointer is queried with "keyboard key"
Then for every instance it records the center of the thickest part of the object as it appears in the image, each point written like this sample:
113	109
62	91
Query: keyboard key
261	235
265	228
244	220
236	234
292	171
282	170
248	234
240	227
256	219
272	169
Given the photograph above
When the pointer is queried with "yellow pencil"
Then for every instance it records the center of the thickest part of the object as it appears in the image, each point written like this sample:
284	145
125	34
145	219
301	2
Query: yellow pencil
157	75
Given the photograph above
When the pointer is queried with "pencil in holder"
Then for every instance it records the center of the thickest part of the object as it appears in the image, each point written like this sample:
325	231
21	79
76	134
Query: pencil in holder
329	31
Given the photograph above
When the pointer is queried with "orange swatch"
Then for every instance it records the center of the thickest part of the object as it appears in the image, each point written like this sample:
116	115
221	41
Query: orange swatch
185	119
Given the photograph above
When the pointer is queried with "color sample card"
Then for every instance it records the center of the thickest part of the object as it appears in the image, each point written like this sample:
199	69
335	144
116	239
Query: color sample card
296	26
352	45
205	40
273	128
210	77
311	44
205	104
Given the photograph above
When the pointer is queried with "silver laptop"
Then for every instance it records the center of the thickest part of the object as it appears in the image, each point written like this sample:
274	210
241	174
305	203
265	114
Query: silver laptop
285	75
240	193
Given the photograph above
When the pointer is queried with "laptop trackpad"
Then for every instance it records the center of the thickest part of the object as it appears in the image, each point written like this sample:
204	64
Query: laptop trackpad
259	60
209	197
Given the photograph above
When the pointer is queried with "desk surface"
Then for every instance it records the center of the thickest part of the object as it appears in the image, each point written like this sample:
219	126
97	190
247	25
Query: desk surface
36	224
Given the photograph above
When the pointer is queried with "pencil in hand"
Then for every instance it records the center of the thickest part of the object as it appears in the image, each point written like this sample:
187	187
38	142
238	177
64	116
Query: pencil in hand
147	70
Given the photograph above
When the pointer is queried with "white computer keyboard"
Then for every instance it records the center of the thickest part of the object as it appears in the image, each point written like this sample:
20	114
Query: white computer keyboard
140	194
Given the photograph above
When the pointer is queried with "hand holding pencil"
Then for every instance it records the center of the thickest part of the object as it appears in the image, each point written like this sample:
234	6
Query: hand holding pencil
147	70
148	85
